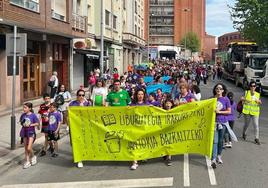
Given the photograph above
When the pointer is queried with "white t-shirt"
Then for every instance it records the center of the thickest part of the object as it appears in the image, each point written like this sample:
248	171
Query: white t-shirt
197	96
99	91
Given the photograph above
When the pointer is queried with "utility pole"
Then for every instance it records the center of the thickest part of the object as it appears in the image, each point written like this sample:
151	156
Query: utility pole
13	117
185	38
102	40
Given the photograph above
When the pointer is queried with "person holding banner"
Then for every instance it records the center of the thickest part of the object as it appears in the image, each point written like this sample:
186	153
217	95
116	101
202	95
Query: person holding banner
185	96
80	101
139	100
118	96
223	109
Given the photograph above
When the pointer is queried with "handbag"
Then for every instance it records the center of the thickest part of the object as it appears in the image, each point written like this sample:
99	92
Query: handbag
239	107
51	83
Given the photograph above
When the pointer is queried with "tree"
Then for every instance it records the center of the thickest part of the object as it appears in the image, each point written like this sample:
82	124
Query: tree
192	41
250	17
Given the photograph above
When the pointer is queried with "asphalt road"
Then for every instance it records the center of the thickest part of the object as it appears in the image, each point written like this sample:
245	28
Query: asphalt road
244	166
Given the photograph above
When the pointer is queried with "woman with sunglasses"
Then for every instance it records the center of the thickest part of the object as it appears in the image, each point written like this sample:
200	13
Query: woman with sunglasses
251	110
80	101
222	110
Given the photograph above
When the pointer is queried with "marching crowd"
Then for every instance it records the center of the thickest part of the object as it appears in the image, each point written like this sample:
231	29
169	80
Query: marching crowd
131	88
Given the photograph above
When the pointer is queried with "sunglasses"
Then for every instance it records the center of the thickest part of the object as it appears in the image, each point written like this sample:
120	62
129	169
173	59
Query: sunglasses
81	95
253	86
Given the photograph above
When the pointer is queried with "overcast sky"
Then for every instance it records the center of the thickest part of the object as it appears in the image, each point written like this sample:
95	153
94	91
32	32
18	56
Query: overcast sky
218	17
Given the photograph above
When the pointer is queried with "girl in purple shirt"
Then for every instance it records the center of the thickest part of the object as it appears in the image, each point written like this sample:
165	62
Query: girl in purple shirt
222	110
28	122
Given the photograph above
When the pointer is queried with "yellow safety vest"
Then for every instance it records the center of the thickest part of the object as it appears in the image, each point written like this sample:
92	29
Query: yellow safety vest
251	107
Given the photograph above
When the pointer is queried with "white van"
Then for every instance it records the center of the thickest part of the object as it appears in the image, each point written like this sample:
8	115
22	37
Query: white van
264	80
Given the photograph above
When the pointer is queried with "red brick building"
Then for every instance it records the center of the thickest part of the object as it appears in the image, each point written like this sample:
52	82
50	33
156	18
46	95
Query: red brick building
210	44
49	26
170	20
225	39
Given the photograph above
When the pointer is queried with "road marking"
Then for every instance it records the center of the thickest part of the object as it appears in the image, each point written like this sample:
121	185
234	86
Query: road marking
126	183
186	175
211	174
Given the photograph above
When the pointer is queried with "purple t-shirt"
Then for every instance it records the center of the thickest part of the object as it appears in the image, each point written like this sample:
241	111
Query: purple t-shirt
187	98
77	103
231	117
140	104
26	121
155	103
222	104
54	119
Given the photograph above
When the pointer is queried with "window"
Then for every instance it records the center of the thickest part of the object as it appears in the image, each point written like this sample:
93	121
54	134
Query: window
10	65
114	21
139	29
136	30
124	4
136	8
107	17
32	5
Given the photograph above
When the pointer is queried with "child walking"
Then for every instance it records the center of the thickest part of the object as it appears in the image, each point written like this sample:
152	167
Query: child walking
168	105
28	122
54	128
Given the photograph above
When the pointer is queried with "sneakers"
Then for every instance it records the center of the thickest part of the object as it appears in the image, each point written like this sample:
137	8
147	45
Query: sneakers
26	165
213	164
169	162
33	160
228	145
244	136
80	164
43	153
257	141
67	128
54	155
134	166
219	160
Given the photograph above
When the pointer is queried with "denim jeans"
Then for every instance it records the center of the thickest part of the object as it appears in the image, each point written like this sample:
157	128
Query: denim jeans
218	141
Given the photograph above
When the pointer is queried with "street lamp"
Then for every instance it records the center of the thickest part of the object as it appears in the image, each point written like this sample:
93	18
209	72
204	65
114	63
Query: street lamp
185	39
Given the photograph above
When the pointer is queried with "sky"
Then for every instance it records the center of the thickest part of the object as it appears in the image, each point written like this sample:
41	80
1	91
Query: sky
218	19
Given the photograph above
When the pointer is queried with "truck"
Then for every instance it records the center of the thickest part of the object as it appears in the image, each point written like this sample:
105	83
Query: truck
243	63
264	80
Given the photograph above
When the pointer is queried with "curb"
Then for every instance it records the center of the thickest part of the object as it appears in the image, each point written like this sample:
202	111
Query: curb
16	157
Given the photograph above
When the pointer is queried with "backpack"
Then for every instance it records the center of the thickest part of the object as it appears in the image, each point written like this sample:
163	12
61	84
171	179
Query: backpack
59	100
51	83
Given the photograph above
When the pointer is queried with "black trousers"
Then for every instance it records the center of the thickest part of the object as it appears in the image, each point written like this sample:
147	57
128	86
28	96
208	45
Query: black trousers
53	92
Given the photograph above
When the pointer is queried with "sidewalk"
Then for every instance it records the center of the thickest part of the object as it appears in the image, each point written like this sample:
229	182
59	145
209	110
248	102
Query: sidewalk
8	157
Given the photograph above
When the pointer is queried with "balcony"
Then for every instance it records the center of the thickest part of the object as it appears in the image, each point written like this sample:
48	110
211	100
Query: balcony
79	22
133	39
161	3
161	13
32	5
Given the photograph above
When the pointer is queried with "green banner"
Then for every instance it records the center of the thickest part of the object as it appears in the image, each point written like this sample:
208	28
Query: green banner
141	132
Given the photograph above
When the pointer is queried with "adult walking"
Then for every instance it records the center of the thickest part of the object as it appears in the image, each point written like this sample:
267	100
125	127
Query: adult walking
80	101
54	84
118	96
251	110
222	110
99	93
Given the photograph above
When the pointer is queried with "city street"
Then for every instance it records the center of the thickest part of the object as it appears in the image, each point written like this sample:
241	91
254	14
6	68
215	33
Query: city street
244	166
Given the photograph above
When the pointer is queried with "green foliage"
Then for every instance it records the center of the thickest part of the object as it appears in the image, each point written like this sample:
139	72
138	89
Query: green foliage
250	17
192	42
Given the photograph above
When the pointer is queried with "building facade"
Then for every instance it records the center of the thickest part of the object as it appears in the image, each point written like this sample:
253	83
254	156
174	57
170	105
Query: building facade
210	44
170	20
50	27
133	32
225	39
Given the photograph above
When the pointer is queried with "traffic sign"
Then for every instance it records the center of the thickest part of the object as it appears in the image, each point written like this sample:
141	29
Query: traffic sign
21	47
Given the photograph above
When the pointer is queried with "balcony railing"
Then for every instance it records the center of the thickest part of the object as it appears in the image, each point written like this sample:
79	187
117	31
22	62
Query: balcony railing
161	3
32	5
57	15
79	22
162	13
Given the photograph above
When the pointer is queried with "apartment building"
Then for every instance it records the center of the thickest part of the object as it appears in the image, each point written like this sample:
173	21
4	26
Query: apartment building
170	20
133	32
50	27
